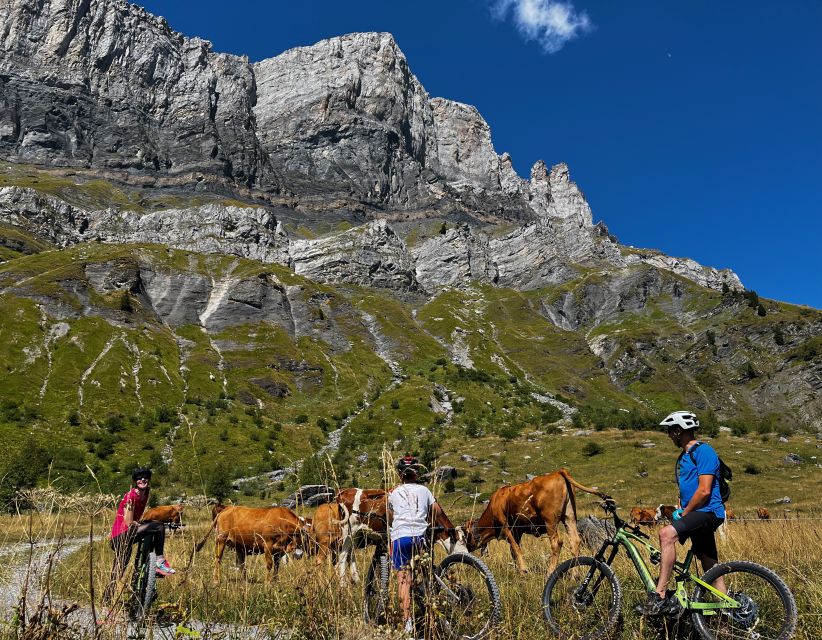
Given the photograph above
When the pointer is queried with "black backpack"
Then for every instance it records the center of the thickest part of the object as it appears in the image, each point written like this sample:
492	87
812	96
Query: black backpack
725	474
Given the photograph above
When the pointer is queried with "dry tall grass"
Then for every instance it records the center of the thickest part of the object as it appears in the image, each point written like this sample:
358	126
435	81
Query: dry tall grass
308	602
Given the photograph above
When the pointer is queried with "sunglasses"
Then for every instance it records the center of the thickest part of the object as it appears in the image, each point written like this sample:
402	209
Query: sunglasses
142	480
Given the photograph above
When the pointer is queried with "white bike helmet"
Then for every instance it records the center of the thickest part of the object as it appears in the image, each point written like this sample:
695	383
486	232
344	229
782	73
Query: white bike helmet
682	419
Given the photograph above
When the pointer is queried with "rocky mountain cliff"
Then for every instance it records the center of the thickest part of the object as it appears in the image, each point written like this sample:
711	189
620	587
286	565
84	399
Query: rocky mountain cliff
192	241
343	124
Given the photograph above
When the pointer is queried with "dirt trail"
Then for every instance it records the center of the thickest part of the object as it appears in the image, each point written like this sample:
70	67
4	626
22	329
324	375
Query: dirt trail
27	566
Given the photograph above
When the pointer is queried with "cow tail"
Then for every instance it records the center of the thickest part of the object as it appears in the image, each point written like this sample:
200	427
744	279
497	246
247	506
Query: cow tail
569	480
200	544
570	511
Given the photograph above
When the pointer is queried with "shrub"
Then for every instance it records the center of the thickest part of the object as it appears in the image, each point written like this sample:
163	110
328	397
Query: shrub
218	482
551	414
301	419
751	469
592	448
114	423
126	303
395	404
778	336
508	431
760	311
323	424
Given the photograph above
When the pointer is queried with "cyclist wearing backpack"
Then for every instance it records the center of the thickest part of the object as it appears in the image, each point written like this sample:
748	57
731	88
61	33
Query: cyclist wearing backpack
701	510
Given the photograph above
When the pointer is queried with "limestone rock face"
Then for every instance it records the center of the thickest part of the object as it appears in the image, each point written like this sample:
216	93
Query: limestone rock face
104	85
464	150
211	228
346	114
704	276
372	254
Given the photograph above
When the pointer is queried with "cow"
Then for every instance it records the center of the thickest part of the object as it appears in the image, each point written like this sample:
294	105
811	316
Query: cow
365	521
326	532
167	514
665	512
535	507
217	508
641	515
762	513
273	531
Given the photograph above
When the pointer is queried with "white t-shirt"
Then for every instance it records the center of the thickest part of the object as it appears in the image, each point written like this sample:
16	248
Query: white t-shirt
410	504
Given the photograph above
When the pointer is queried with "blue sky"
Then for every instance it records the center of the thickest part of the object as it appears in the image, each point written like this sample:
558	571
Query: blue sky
692	127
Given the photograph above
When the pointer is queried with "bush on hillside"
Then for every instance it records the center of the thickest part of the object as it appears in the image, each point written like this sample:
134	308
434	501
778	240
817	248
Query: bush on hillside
592	448
22	470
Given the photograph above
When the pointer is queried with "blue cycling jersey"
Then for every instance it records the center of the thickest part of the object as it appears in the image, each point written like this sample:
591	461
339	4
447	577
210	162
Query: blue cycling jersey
707	463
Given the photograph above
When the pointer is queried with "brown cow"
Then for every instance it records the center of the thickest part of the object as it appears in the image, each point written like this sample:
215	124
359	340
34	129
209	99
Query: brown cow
535	507
274	531
167	514
364	521
762	513
641	515
665	512
326	532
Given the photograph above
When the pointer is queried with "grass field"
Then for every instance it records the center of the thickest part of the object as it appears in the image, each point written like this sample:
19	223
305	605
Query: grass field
307	600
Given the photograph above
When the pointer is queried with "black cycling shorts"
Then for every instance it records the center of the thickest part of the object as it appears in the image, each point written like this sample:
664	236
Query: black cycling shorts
699	527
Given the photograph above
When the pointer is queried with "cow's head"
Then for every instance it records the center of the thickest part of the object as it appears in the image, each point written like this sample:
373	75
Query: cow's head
456	542
471	536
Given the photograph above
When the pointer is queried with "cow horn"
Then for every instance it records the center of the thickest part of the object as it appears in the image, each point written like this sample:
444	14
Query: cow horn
345	518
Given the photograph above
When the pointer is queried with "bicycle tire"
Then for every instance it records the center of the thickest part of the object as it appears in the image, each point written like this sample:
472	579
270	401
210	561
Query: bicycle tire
769	610
469	609
375	589
144	586
590	616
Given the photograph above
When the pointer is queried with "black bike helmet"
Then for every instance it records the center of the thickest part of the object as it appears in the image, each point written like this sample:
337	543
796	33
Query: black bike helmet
141	472
407	463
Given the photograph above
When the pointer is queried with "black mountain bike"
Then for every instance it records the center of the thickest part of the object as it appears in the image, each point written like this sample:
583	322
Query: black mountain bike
582	598
456	599
143	581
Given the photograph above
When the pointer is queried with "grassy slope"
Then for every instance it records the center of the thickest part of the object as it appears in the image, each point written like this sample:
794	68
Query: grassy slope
182	407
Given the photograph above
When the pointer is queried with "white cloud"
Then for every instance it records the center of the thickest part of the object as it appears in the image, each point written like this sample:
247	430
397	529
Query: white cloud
551	23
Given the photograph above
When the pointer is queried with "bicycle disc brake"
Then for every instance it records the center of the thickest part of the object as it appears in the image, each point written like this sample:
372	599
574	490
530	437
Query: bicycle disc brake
747	615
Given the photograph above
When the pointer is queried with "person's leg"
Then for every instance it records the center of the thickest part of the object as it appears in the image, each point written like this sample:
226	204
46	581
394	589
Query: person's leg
668	538
401	551
157	531
704	546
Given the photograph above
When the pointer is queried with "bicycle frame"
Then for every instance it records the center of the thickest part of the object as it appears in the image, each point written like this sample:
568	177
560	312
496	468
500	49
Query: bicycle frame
628	537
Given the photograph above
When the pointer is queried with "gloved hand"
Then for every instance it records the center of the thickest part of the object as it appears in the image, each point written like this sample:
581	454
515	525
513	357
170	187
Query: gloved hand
677	514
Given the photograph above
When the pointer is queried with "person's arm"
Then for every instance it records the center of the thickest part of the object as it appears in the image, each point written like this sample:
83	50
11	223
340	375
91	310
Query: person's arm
128	513
701	495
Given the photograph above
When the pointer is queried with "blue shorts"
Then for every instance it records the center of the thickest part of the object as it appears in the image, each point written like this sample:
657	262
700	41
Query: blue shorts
403	549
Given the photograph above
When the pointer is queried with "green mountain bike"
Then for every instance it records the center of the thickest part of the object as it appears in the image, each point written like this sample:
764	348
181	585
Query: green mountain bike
582	597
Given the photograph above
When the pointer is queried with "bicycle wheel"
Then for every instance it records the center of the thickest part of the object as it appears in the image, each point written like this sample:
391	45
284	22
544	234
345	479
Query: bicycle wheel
375	590
144	586
466	600
582	614
768	609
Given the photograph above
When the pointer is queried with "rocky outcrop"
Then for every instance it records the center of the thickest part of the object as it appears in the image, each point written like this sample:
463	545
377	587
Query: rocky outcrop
103	83
371	254
211	228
